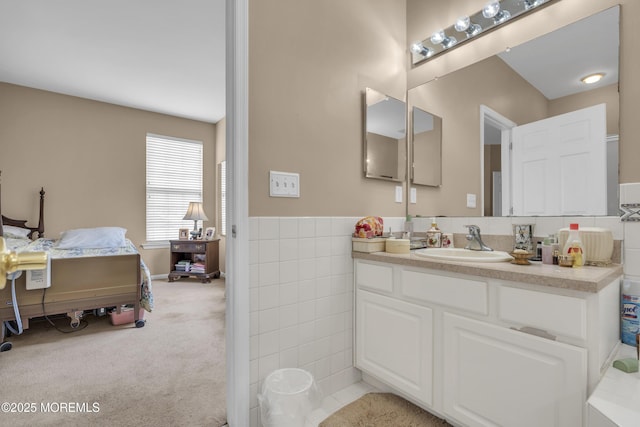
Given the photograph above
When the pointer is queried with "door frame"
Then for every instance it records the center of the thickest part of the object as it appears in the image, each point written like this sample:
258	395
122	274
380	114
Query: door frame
237	244
489	116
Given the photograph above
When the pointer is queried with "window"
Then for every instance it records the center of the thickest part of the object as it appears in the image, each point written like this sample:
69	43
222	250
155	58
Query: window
174	178
222	179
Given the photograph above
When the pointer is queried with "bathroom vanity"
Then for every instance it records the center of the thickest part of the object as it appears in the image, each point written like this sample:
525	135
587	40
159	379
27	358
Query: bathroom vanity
486	344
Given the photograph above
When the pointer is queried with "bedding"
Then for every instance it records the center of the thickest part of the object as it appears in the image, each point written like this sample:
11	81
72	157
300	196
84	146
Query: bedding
12	232
93	238
55	252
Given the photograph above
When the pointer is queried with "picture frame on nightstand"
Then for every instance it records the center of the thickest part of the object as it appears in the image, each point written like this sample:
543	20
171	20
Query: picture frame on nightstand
209	233
184	234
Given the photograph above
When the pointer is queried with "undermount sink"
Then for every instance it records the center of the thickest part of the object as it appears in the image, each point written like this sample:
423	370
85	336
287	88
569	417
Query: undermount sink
464	255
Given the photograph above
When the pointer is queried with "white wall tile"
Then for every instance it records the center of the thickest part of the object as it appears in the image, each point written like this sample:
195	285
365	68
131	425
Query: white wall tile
254	252
267	364
288	316
632	235
269	343
323	246
254	275
632	262
307	311
289	228
307	248
269	250
288	249
307	290
288	337
254	228
289	271
269	320
269	228
289	358
323	227
269	274
306	227
547	225
288	293
269	297
322	368
307	269
306	332
613	223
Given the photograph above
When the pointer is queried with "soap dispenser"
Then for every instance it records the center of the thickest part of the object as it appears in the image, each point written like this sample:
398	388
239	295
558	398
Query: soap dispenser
434	235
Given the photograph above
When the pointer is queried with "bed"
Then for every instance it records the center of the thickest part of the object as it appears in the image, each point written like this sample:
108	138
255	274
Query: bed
82	279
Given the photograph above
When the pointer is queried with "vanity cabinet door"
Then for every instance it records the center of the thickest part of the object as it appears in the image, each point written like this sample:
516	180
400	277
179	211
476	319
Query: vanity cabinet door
394	343
494	376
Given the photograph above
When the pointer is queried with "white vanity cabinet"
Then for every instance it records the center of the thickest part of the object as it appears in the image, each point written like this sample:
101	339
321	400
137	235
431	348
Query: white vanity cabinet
495	376
395	343
481	351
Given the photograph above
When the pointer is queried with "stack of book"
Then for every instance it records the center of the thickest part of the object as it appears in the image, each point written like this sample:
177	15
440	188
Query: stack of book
197	267
183	265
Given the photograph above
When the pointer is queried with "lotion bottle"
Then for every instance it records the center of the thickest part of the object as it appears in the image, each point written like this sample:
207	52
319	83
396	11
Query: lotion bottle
574	246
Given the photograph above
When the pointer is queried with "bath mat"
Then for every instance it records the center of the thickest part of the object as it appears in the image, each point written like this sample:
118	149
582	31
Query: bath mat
382	410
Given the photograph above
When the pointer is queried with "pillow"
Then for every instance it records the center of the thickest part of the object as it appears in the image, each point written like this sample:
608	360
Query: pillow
15	232
92	238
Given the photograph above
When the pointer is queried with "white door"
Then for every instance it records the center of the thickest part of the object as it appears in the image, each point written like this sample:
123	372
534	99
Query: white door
394	342
495	376
560	165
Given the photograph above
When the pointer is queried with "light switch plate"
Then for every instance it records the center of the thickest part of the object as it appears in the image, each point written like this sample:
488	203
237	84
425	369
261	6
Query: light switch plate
414	195
471	200
398	193
284	184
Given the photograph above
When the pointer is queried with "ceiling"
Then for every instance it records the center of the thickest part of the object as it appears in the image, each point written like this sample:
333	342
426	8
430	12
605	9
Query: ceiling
166	56
555	63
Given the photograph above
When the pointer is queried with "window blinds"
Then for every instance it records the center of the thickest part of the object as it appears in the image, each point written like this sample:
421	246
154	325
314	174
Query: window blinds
174	178
222	179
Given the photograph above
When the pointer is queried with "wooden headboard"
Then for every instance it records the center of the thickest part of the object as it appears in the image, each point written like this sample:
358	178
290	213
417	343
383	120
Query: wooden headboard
35	232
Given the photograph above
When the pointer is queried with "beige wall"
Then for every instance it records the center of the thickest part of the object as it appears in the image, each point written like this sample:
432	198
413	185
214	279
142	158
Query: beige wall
309	63
608	95
424	16
90	158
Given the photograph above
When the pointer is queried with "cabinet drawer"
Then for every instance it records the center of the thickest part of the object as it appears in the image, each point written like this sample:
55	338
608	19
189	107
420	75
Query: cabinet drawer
556	314
464	294
188	247
373	276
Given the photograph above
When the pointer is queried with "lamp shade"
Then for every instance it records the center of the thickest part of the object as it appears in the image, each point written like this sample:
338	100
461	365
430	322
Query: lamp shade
195	212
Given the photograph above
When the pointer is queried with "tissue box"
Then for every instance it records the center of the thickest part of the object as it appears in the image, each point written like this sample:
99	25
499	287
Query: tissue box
125	316
376	244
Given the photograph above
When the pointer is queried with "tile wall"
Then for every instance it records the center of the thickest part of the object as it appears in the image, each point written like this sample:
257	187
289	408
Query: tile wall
301	301
630	193
301	287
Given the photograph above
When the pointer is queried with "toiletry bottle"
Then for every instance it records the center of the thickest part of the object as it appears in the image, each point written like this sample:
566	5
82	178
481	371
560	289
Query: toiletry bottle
547	251
574	246
555	248
408	227
434	235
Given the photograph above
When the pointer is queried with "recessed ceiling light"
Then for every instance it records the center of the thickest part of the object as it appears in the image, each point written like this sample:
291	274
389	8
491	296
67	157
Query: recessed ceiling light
592	78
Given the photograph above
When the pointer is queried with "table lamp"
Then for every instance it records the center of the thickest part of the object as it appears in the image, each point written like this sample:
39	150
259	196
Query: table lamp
196	213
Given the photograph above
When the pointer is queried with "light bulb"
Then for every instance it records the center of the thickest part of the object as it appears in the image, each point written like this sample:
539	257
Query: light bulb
437	37
462	23
491	9
419	49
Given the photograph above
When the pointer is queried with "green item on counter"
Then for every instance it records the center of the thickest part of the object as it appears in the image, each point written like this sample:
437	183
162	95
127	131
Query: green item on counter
626	365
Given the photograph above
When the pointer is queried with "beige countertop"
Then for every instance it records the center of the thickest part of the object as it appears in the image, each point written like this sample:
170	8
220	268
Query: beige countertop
585	279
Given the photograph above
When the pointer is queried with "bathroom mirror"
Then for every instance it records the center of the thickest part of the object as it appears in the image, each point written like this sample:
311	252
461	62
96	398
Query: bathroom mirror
426	148
385	152
529	83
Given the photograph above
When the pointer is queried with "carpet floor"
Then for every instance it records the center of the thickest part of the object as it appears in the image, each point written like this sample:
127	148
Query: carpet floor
170	372
382	410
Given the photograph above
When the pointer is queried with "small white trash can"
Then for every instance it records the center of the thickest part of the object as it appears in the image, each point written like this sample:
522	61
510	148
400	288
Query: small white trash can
287	397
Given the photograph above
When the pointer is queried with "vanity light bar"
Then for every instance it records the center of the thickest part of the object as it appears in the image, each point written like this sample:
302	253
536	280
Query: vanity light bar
494	13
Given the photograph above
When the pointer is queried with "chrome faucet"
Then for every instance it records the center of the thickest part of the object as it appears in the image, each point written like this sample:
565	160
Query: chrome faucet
475	241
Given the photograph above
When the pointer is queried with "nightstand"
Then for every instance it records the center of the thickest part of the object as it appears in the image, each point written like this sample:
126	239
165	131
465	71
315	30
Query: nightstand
185	253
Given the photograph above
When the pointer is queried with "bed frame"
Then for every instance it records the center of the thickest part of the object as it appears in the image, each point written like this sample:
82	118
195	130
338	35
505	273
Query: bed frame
77	284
